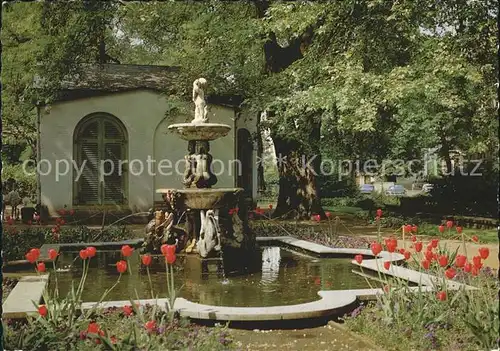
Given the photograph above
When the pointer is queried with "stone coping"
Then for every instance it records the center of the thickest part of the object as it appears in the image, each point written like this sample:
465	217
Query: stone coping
28	289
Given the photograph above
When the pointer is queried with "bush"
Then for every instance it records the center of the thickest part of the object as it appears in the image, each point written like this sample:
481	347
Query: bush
26	183
16	242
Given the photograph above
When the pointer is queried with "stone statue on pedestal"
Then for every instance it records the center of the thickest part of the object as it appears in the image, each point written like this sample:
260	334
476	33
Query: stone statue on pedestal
201	108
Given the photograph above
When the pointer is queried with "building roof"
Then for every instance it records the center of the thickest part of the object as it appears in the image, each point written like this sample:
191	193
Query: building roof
104	79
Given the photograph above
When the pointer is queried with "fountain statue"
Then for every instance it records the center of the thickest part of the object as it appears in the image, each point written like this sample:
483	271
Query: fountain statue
211	228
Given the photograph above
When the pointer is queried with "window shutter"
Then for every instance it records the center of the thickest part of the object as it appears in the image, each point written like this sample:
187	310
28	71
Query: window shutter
113	189
89	180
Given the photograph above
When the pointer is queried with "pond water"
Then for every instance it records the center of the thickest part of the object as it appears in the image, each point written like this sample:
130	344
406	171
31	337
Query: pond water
283	277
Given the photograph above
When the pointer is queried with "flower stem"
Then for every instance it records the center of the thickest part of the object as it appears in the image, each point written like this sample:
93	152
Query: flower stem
150	283
56	289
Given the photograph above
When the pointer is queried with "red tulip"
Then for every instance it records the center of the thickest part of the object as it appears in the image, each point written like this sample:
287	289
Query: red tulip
387	265
93	328
316	218
425	264
52	254
36	217
413	238
429	246
72	212
376	248
231	211
450	273
128	310
328	214
36	253
146	260
428	255
121	266
40	267
270	206
441	296
475	238
91	251
127	251
407	228
467	267
55	230
387	288
391	244
114	340
459	230
441	228
449	224
484	252
317	281
434	243
150	326
379	213
475	270
460	261
30	257
443	260
407	255
62	212
418	246
402	251
84	254
42	310
163	249
358	258
476	260
377	218
414	229
170	254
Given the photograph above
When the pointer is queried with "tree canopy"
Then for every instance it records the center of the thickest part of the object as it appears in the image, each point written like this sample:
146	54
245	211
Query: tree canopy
359	79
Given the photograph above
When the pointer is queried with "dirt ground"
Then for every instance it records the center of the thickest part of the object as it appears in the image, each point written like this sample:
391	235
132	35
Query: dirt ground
329	337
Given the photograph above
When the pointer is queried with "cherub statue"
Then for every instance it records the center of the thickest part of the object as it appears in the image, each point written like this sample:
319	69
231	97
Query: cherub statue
201	108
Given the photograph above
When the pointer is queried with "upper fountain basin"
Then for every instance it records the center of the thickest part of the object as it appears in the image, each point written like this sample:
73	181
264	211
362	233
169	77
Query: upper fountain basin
200	199
200	131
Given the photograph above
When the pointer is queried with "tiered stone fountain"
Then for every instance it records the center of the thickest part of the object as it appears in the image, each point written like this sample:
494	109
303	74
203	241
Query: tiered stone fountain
212	227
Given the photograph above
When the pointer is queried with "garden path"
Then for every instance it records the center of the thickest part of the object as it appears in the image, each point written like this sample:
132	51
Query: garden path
328	337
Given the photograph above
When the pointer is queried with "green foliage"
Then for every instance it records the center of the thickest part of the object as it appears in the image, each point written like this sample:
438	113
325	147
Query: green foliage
16	242
26	181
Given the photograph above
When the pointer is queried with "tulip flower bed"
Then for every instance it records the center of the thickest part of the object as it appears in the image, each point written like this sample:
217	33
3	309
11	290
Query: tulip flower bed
17	241
62	324
441	320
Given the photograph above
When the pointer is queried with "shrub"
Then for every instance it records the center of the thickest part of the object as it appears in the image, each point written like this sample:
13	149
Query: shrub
26	183
16	242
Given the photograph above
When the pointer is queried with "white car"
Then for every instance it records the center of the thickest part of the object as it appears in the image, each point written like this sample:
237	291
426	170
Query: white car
426	188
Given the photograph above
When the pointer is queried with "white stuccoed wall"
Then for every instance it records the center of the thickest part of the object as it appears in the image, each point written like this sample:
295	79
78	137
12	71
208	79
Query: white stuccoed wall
143	114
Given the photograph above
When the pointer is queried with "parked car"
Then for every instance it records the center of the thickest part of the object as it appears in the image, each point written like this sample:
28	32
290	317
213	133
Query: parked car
426	188
367	188
396	190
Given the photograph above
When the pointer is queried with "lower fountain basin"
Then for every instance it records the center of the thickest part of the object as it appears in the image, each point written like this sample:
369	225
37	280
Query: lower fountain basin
199	199
201	131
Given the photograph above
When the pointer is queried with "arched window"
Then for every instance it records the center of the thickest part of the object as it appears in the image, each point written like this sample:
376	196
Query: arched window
245	151
100	144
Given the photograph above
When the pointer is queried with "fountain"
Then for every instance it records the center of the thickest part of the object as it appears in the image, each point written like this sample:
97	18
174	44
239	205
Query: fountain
216	219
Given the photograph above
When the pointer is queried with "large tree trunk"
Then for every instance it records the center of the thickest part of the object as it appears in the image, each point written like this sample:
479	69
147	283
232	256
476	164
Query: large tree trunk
261	183
298	192
298	167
